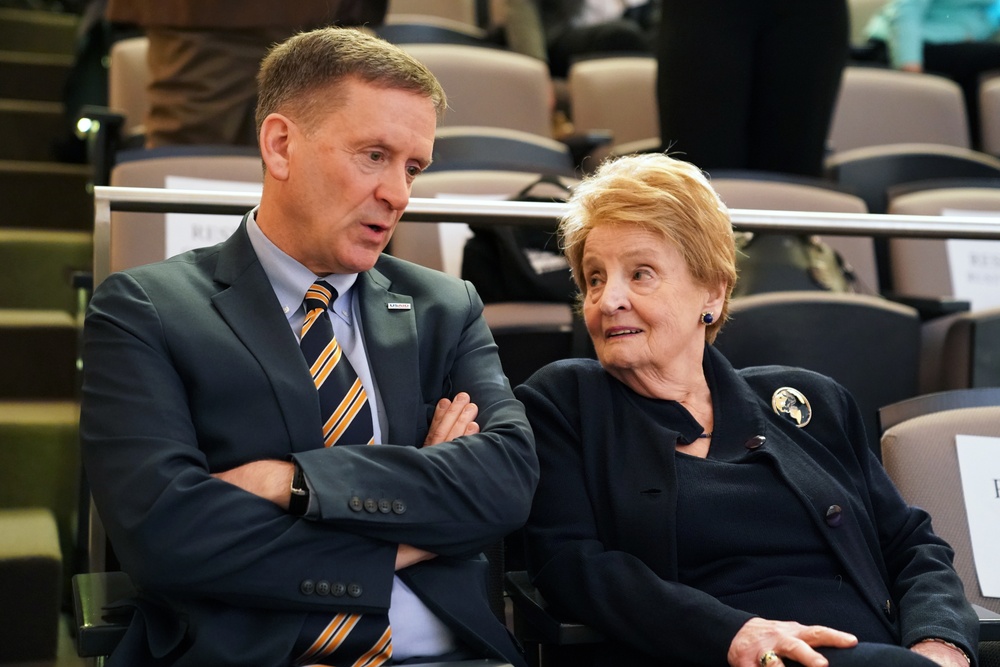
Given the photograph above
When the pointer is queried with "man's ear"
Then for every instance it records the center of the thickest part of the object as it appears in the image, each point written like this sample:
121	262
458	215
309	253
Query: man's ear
275	139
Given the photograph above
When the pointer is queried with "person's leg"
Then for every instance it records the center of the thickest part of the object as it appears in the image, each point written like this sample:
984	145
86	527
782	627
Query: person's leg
203	85
705	64
803	48
622	36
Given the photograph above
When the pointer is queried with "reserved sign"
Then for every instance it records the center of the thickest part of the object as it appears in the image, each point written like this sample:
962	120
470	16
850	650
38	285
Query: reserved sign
979	464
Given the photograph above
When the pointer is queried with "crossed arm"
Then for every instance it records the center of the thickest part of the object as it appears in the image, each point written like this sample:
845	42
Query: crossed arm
271	479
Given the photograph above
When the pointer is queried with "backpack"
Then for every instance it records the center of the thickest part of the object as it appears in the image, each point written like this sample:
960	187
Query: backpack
518	263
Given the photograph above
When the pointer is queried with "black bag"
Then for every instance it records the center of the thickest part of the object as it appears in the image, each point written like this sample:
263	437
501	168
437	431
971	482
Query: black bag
787	262
515	263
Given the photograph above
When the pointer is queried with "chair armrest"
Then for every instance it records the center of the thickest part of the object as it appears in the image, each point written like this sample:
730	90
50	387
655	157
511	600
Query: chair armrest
536	621
989	624
98	631
929	307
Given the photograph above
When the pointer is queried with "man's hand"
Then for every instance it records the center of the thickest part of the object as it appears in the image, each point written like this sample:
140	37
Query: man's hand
453	419
407	556
271	480
942	654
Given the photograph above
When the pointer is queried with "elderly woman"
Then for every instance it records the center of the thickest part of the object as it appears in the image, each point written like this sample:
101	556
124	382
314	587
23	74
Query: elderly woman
699	515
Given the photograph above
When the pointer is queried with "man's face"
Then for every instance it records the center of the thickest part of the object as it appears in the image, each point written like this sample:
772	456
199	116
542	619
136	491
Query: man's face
349	175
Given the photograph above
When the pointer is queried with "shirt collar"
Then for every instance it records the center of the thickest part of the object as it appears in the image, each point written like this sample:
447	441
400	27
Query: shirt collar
290	279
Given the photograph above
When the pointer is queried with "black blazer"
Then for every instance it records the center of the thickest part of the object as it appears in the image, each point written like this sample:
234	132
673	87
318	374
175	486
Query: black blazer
601	537
190	367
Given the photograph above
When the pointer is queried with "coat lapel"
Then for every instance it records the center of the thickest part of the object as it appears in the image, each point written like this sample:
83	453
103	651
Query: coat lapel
248	305
389	328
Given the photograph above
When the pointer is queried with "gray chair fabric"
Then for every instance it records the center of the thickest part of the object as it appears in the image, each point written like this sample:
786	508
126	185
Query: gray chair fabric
920	456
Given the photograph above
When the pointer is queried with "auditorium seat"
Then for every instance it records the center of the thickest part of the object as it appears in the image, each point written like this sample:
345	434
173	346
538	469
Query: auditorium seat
961	351
616	94
920	456
462	11
922	267
127	78
782	192
489	87
424	29
868	344
989	115
878	106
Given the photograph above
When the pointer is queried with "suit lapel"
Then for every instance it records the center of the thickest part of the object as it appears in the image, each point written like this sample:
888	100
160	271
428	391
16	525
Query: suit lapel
389	329
248	305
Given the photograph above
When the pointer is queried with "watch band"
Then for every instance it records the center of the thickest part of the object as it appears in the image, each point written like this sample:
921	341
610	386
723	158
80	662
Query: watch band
298	501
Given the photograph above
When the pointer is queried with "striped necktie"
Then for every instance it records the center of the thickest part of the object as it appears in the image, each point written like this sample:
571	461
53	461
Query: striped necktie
357	640
347	415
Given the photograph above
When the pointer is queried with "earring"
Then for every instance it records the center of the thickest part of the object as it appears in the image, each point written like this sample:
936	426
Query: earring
707	318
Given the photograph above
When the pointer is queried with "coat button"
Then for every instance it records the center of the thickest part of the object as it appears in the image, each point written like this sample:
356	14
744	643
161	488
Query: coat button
354	590
384	506
754	442
355	504
834	515
371	506
322	588
398	506
307	587
888	610
338	589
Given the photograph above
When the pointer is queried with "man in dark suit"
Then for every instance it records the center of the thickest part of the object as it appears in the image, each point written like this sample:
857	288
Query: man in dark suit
202	427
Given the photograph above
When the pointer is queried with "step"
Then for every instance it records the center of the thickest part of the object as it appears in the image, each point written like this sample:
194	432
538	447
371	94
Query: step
33	76
29	130
38	31
46	195
37	268
40	348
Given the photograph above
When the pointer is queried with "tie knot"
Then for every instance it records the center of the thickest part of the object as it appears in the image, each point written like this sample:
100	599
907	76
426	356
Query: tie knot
320	295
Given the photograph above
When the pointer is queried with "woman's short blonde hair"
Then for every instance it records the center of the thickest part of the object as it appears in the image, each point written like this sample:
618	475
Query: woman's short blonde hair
667	196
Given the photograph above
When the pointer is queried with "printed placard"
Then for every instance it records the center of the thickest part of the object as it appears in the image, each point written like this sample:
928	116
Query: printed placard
974	265
979	464
186	231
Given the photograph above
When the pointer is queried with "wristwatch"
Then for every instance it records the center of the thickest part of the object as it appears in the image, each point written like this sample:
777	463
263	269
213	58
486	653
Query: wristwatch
298	502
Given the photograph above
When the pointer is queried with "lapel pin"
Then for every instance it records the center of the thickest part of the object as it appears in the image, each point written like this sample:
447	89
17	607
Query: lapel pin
397	305
792	405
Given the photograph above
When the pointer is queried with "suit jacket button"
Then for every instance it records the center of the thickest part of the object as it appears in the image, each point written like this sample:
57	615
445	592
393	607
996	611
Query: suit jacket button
355	504
337	590
307	587
354	590
888	610
371	506
384	506
322	588
398	506
754	442
834	515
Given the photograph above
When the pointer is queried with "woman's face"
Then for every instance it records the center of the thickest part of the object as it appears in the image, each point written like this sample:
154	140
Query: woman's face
642	306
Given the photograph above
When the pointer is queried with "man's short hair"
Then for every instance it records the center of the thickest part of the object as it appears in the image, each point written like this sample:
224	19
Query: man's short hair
296	70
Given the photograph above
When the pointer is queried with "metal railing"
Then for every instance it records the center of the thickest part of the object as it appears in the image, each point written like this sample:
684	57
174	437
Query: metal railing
156	200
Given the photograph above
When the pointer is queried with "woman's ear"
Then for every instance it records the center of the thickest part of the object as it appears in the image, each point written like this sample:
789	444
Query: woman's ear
715	297
275	141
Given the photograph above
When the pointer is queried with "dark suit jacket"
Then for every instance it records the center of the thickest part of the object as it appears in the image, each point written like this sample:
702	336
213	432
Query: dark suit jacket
601	537
191	368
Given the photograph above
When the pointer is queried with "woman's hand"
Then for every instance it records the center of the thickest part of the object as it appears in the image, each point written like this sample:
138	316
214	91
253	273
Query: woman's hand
453	419
786	639
943	654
